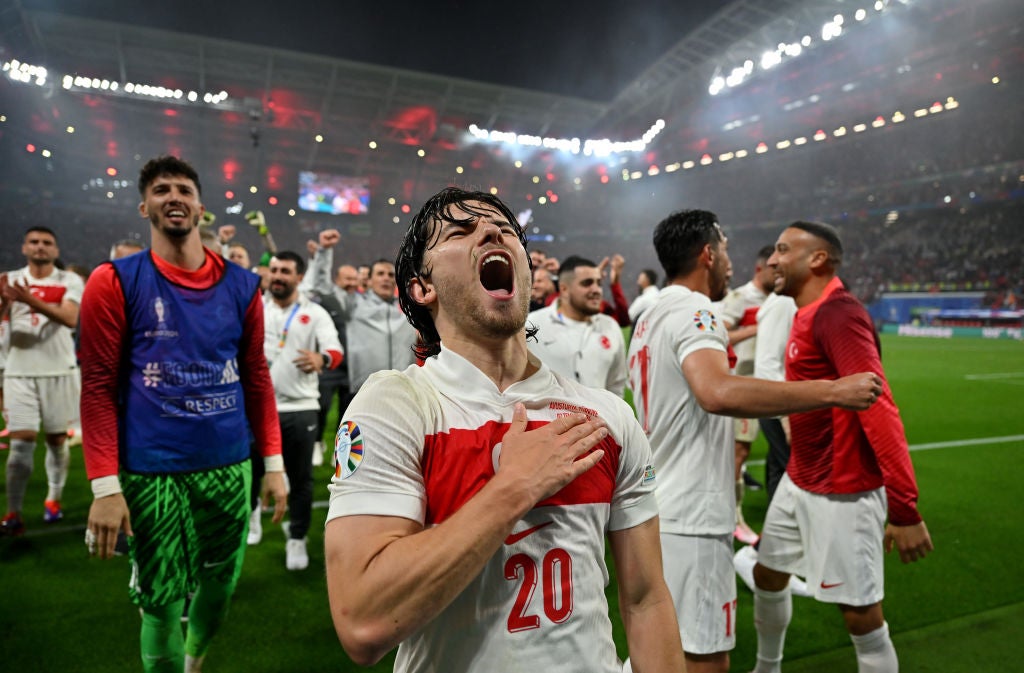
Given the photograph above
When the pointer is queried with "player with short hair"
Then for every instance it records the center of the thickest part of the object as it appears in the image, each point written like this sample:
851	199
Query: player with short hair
299	341
684	392
41	383
846	469
171	341
473	494
573	337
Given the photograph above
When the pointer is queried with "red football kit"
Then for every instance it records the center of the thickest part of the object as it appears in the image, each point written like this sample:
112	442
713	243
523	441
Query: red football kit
836	450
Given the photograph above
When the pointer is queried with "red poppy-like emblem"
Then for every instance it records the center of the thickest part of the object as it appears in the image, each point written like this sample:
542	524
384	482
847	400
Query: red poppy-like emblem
606	343
304	319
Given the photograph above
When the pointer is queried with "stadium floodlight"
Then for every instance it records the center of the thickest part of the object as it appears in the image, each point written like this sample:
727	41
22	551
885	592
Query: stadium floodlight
860	14
770	59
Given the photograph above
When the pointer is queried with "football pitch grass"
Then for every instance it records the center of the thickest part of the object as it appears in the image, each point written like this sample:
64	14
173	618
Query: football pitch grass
959	610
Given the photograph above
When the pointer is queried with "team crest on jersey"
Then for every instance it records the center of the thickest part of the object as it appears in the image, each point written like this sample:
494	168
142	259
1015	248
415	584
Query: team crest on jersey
606	343
348	449
705	320
648	474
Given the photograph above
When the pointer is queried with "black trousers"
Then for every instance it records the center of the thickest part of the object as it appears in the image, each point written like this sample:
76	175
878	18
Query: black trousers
331	381
778	453
298	434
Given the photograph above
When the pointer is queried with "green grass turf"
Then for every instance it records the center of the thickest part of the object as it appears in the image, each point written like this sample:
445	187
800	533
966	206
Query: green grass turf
959	610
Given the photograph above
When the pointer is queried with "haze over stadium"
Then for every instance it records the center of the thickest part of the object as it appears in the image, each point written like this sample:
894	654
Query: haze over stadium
911	108
897	121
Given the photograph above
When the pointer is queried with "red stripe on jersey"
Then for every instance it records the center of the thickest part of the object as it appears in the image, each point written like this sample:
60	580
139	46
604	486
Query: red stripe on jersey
51	294
458	463
749	316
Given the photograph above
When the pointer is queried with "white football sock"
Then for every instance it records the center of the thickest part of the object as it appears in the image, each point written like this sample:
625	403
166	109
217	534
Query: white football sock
57	460
875	652
772	612
19	469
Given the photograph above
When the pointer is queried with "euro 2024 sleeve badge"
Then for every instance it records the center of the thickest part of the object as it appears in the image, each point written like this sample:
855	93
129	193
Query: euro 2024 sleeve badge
348	449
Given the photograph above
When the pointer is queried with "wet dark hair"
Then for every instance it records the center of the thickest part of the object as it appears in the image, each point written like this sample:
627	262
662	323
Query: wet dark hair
764	253
828	234
679	238
167	165
421	236
289	256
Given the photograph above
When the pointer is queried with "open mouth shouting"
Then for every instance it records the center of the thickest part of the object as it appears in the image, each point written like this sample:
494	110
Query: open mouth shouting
496	274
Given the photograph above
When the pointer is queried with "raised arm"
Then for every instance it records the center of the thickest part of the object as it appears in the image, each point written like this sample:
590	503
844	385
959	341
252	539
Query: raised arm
389	576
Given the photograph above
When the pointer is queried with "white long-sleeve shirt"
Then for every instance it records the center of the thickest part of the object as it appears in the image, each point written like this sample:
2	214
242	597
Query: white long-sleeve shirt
304	325
774	321
591	352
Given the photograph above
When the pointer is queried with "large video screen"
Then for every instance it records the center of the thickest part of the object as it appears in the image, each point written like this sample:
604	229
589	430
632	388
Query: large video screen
334	194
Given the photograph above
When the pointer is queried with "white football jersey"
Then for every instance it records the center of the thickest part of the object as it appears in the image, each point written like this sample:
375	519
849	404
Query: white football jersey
739	308
419	443
39	346
692	448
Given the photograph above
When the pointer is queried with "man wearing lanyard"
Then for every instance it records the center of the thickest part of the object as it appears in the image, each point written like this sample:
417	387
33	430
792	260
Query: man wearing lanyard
574	338
300	341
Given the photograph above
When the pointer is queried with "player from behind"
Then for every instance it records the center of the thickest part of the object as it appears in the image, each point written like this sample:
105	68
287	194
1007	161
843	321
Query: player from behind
473	494
684	393
847	469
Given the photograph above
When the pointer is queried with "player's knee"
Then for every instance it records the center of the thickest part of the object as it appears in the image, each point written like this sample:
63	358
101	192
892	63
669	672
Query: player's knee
861	620
717	662
24	435
767	579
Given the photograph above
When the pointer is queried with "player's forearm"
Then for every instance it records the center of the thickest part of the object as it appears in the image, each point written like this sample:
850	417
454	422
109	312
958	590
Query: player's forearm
744	396
884	431
65	313
645	604
653	636
389	594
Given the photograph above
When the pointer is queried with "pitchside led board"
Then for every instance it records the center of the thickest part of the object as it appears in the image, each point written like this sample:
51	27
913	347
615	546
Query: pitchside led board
333	194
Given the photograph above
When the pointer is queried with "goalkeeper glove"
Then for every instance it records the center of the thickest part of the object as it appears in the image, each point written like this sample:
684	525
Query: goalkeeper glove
256	219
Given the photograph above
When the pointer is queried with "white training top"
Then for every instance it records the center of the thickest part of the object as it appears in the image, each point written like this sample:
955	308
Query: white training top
740	301
591	352
693	450
40	346
419	443
643	302
774	322
304	325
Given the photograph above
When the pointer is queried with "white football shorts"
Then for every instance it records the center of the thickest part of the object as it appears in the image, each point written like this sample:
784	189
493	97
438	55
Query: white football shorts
52	400
701	578
833	540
